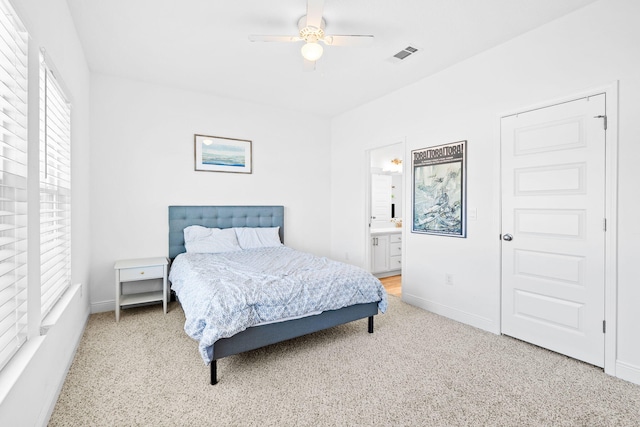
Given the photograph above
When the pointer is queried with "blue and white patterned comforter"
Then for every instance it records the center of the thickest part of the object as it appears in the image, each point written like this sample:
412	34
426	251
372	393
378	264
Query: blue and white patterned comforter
223	294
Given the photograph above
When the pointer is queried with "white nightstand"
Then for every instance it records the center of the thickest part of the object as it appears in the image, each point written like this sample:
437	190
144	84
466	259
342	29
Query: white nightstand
130	270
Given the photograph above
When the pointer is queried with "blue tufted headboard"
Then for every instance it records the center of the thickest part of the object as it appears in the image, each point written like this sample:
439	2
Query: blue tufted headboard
220	217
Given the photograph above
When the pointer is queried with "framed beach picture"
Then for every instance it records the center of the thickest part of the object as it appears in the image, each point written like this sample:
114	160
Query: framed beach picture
218	154
439	190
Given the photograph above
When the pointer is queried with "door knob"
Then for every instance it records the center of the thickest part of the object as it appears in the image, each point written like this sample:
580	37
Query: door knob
507	237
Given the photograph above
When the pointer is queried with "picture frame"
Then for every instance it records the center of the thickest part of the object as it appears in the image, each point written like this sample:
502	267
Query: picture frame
439	190
220	154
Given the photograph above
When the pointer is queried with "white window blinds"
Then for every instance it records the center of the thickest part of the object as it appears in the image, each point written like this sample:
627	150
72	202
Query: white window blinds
55	189
13	183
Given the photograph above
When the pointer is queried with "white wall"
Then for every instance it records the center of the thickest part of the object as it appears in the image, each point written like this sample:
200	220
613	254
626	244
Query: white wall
142	161
589	48
30	383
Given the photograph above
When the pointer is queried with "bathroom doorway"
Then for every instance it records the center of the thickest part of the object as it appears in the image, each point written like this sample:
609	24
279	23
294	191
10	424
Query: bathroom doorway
385	209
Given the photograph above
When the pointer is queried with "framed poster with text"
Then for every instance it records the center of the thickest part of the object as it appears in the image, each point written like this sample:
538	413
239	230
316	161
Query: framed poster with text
439	190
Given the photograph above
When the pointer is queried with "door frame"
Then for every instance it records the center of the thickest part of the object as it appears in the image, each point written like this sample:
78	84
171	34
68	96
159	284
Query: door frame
611	210
367	196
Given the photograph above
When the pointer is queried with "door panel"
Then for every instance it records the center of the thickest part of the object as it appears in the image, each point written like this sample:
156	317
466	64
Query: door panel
557	179
550	223
553	205
557	312
380	200
567	269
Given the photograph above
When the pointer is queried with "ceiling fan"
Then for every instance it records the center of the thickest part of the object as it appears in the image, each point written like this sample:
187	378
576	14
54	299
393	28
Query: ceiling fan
311	31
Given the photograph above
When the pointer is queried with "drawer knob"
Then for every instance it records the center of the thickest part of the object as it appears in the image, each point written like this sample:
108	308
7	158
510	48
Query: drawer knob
142	272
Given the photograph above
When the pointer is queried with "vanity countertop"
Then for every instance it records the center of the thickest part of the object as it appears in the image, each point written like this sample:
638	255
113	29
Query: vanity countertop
386	230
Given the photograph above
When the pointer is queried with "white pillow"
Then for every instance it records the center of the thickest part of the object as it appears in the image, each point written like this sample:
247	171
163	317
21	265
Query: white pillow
198	239
260	237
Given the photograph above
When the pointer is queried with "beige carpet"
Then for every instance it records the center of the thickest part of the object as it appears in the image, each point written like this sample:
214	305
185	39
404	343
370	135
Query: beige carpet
417	369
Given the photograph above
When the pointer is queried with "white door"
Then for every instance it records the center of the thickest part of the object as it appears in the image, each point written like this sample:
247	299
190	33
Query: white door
553	227
380	201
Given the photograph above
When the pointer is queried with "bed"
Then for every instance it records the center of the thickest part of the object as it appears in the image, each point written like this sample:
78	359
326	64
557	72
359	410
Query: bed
265	327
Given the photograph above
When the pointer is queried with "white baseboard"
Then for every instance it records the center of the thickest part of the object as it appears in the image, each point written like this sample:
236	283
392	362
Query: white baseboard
453	313
628	372
102	306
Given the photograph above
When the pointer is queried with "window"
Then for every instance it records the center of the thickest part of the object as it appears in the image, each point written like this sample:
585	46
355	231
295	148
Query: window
55	189
13	183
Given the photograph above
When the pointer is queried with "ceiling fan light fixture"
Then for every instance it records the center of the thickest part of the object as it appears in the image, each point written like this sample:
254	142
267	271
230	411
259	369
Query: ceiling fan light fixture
311	31
311	51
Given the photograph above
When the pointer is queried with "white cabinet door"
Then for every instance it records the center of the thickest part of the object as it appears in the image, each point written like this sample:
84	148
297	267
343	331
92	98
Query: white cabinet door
380	254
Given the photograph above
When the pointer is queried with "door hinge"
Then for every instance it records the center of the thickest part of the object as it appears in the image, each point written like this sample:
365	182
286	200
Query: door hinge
604	120
604	326
604	224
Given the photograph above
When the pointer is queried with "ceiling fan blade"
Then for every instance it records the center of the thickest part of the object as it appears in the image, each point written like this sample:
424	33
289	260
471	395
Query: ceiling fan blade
355	40
261	38
309	65
314	13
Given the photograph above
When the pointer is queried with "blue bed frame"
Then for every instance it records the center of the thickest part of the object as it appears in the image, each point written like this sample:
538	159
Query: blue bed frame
257	336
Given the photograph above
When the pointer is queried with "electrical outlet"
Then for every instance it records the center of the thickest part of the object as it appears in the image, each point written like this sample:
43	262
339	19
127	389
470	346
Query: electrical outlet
448	279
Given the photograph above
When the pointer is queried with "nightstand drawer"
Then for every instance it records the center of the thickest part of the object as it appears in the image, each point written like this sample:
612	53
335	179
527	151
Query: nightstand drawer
141	273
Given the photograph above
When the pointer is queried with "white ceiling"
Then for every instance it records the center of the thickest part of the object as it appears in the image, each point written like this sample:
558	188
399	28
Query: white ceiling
203	45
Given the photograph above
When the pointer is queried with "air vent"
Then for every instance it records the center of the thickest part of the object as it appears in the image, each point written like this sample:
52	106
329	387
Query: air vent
403	54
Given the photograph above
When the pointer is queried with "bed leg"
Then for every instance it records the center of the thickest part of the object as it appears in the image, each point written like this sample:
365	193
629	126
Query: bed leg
370	324
214	372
